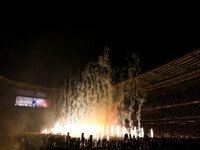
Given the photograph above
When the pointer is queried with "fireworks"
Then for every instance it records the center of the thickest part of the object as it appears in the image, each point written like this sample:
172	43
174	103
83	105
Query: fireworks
94	106
96	130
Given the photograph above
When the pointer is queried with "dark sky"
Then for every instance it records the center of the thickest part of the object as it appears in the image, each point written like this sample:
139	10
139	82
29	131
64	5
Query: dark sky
44	49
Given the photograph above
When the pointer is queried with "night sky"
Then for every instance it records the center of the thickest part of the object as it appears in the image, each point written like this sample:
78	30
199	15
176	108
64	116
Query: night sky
44	49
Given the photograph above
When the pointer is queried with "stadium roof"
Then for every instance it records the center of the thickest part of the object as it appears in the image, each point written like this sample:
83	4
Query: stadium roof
182	69
14	84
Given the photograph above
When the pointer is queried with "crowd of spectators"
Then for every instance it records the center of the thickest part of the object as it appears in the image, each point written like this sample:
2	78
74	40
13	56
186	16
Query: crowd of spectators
180	96
175	112
53	142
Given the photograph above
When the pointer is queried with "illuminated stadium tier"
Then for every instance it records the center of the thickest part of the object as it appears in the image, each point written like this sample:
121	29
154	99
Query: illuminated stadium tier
174	110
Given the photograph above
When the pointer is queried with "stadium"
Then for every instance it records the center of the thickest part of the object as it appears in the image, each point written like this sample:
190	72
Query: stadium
171	108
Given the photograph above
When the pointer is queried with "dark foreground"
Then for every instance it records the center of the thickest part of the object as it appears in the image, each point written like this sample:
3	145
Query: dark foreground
59	142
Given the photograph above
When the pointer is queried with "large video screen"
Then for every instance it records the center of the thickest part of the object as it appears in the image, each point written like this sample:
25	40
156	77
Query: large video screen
31	102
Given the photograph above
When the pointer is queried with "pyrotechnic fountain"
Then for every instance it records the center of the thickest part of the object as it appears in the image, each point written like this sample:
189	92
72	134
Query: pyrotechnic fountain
94	106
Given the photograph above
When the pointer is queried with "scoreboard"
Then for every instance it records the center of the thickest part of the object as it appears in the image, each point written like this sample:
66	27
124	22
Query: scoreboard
31	102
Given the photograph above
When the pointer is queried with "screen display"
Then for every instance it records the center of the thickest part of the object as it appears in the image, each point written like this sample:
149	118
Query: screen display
41	102
31	102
